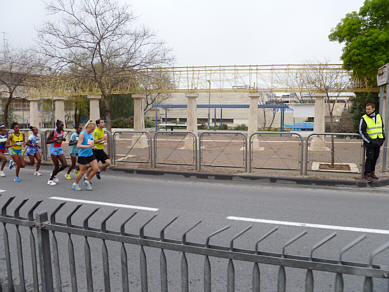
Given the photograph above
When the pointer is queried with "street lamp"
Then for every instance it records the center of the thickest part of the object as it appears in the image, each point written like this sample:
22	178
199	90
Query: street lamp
209	104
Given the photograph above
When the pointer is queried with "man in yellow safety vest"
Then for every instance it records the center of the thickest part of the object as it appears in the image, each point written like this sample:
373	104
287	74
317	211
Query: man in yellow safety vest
371	129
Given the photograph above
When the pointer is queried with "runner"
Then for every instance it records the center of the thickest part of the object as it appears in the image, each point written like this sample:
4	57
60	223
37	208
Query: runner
55	140
100	138
86	157
73	151
3	141
33	150
15	144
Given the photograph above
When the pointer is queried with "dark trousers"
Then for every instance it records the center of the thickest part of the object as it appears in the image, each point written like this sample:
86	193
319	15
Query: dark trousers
372	153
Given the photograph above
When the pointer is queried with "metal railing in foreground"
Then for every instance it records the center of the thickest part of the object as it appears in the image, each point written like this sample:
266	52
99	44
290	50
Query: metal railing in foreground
135	144
43	244
269	151
348	152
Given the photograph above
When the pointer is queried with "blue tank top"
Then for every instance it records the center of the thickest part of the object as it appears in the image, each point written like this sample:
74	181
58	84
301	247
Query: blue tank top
34	141
85	152
2	144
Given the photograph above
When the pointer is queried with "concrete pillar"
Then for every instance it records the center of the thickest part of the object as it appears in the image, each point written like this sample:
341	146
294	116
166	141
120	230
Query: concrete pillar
318	142
139	118
253	113
191	121
59	113
94	107
35	112
253	121
139	140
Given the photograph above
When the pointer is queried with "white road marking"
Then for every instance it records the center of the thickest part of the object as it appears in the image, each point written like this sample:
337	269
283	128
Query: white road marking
2	191
105	204
320	226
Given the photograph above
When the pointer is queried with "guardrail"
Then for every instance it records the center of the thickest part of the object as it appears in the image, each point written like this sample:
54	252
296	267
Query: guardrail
45	147
187	141
219	150
56	245
136	142
321	145
299	156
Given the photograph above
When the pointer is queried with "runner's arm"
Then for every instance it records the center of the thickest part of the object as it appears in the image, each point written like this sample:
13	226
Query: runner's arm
8	143
50	137
79	143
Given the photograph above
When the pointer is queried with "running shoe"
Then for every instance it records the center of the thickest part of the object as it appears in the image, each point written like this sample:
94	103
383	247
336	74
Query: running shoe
56	180
11	164
37	173
76	187
68	177
85	180
87	185
17	179
98	175
2	174
51	183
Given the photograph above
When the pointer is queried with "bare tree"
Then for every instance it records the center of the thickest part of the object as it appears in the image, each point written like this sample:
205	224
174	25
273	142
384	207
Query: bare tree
16	68
331	83
101	40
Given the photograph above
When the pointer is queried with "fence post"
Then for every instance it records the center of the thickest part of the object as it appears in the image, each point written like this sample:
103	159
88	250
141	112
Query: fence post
44	253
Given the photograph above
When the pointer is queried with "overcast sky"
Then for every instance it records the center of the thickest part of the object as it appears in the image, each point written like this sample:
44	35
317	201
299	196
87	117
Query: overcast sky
217	32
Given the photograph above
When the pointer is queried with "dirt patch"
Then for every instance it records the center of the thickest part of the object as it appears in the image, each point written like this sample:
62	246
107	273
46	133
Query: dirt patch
328	166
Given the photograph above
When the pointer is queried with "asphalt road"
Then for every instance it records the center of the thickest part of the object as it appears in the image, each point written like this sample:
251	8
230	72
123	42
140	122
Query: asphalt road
348	212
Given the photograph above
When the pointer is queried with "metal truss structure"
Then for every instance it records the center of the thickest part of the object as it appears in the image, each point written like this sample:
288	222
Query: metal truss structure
285	78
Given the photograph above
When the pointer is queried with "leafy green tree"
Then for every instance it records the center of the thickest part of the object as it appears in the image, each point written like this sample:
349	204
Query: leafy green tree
366	38
122	106
365	35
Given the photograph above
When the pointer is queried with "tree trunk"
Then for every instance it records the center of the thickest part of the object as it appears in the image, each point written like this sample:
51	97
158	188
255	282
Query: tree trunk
6	110
108	124
76	119
332	141
107	103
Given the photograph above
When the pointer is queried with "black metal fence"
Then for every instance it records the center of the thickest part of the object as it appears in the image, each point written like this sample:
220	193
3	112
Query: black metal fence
53	249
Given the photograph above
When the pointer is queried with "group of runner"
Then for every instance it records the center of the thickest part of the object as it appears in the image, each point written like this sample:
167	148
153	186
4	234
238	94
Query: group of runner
86	148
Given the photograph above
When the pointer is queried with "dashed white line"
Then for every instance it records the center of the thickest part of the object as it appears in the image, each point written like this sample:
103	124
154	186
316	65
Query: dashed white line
2	191
105	204
310	225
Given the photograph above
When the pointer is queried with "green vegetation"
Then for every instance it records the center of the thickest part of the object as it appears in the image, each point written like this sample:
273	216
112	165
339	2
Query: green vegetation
366	38
365	35
241	127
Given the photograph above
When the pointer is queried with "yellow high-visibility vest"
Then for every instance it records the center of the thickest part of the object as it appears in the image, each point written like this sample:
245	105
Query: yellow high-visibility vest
374	129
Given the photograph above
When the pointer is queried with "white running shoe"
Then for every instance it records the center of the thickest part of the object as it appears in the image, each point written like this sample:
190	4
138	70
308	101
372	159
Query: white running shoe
56	180
37	173
2	174
51	183
76	187
87	185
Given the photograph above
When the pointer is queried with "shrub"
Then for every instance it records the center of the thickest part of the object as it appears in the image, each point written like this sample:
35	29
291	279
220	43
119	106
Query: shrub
241	127
123	122
222	127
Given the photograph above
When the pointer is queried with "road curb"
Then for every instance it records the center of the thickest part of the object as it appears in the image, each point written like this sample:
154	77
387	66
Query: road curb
245	177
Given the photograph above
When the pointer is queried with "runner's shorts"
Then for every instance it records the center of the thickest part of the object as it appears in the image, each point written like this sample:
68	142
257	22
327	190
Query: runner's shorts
85	160
100	155
56	151
32	151
18	152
